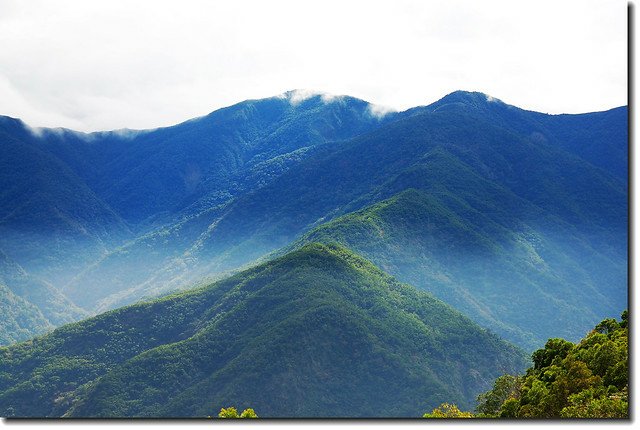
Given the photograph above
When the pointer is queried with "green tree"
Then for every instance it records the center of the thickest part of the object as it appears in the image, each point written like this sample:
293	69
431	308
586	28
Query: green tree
248	413
594	403
573	377
625	319
607	326
554	348
586	380
229	412
232	412
448	410
509	408
504	388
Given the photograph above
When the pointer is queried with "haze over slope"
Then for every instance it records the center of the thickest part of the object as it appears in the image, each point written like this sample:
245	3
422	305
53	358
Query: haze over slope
318	332
563	217
30	306
546	195
524	284
72	198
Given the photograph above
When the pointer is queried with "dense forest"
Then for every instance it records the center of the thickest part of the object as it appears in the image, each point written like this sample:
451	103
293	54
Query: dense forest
317	332
589	379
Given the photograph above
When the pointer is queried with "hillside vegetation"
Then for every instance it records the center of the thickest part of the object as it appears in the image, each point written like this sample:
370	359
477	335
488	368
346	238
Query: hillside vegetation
29	306
318	332
21	320
557	222
589	379
523	282
516	218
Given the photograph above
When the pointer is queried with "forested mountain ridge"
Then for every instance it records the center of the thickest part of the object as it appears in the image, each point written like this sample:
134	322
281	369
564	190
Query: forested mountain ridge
547	202
162	209
20	320
73	198
318	332
599	138
146	174
516	282
30	305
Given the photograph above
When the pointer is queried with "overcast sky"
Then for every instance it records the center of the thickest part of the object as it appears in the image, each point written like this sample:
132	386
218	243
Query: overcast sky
141	64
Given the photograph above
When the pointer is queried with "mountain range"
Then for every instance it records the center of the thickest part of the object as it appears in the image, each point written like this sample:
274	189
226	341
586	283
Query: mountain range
503	220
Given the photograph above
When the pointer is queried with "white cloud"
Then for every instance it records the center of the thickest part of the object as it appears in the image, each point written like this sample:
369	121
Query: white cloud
297	96
380	111
142	64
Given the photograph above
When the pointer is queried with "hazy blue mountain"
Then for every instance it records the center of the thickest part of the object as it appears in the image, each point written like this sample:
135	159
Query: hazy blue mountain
19	319
319	332
211	195
74	199
599	138
513	181
51	222
146	175
31	306
526	284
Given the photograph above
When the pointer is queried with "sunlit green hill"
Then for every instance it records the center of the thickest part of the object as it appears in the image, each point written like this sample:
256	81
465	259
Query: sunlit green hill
318	332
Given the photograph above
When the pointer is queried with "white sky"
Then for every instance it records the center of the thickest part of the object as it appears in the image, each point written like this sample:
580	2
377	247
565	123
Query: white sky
95	65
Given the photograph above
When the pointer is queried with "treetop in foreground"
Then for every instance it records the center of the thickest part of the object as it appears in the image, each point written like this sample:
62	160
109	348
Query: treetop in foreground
589	379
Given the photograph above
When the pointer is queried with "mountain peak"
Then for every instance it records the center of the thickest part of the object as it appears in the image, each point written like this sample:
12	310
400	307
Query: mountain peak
318	320
300	95
469	97
468	101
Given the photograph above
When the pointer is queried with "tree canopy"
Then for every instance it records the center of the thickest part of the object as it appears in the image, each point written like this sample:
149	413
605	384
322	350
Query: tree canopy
589	379
448	410
584	380
232	412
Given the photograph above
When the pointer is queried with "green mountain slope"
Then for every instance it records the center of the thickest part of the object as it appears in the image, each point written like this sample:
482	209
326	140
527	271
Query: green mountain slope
522	282
51	222
75	207
317	332
25	292
563	217
19	319
340	180
211	195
